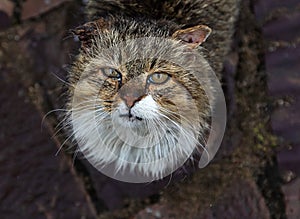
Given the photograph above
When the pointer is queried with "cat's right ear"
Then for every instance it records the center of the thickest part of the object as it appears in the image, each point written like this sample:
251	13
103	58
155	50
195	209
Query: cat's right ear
88	31
193	36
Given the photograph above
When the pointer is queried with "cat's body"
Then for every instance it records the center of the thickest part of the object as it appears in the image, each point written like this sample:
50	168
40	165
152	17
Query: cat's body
141	94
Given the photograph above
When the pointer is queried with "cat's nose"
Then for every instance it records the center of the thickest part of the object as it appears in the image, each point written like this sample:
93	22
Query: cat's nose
131	95
129	100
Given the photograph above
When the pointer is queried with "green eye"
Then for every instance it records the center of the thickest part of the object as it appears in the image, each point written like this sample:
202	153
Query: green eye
111	73
158	78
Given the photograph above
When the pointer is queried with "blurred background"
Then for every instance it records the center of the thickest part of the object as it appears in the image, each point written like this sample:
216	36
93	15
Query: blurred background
36	47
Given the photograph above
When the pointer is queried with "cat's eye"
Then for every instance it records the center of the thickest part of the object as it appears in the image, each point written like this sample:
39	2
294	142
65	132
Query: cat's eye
158	78
111	73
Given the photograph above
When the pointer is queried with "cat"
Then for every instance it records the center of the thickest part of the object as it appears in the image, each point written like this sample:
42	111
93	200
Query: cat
142	90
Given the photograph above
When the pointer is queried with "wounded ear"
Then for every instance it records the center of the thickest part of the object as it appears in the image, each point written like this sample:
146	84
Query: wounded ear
88	31
193	36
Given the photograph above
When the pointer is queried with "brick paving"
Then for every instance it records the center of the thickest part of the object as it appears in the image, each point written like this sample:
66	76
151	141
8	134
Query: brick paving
34	182
281	30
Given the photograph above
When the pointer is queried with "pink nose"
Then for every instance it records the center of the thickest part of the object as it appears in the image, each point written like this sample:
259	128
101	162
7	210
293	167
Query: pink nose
129	100
132	93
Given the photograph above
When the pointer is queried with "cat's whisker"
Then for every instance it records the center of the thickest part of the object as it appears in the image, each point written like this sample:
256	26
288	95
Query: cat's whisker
86	108
168	111
165	127
61	146
181	129
96	103
89	101
175	114
75	155
62	80
47	114
62	126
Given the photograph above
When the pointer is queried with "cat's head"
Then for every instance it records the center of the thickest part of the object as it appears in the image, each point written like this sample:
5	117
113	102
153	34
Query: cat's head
139	96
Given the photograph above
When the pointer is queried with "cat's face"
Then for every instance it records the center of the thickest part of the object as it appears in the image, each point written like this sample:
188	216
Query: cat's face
146	90
140	107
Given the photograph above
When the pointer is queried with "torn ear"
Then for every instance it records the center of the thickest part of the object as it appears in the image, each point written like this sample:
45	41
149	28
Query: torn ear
88	31
193	36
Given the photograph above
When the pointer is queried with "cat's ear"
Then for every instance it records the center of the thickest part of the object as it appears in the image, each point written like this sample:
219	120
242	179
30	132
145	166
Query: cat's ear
193	36
88	31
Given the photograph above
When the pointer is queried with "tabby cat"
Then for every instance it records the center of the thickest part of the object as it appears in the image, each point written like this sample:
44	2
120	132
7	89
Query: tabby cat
142	93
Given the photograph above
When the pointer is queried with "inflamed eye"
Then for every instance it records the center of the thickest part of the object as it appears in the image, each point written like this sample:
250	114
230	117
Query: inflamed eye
111	73
158	78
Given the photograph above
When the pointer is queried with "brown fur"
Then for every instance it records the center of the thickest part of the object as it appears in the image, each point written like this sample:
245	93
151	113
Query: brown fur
219	15
109	41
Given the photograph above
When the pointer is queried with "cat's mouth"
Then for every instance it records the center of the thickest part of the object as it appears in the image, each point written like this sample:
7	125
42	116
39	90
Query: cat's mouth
131	117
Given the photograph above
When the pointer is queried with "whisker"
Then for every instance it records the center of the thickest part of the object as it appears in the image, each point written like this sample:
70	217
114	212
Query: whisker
61	146
47	114
187	134
62	80
58	130
74	156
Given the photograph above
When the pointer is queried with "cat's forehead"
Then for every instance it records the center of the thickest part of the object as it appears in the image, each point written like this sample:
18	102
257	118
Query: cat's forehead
133	57
146	66
136	64
135	68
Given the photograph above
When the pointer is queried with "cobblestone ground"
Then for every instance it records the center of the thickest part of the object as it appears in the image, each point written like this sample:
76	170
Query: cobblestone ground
280	21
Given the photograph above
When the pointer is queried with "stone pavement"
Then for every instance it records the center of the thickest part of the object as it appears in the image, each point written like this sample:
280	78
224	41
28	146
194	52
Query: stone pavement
280	22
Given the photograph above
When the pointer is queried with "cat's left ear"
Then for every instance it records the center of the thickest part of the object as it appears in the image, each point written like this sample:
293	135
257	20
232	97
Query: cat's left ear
193	36
87	32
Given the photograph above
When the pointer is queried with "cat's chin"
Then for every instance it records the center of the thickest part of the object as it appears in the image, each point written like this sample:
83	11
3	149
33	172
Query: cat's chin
142	147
